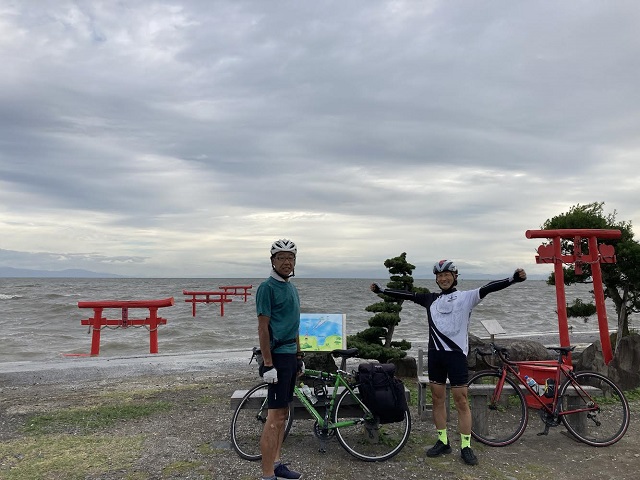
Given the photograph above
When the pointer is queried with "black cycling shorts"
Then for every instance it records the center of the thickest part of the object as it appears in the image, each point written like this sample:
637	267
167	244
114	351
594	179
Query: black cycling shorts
443	364
281	393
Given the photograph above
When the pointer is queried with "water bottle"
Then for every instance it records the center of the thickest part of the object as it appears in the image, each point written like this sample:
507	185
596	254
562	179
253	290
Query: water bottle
308	393
533	384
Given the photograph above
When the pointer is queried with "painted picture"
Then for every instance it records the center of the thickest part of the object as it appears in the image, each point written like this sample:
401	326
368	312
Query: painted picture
322	332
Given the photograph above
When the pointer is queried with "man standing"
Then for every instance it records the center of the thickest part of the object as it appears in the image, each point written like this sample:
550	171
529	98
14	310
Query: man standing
448	314
278	309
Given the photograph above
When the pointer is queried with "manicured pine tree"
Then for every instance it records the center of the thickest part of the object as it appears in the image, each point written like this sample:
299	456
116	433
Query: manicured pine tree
376	342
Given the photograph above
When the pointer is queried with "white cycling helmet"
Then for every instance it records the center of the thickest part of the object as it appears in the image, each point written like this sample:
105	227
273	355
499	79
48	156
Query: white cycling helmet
445	266
283	245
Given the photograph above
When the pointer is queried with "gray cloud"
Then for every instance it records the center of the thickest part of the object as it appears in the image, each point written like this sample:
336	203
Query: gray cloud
181	138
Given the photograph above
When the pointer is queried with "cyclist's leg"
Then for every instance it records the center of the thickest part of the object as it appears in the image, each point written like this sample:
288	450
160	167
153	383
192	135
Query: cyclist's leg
272	437
461	401
458	377
437	371
438	401
280	396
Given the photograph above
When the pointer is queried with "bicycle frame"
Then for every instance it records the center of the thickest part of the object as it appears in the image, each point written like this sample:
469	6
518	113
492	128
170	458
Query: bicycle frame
324	422
549	404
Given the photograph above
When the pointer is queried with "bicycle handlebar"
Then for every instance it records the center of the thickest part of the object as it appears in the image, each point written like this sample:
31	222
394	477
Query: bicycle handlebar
338	353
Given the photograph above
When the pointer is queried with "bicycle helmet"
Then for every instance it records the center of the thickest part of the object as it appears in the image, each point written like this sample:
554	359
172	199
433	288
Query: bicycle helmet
445	266
283	245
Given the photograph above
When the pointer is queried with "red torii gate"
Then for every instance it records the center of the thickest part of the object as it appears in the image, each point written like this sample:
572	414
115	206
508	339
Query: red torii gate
98	322
195	298
597	254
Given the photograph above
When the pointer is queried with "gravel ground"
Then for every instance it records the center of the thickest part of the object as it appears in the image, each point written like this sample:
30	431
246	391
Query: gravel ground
190	439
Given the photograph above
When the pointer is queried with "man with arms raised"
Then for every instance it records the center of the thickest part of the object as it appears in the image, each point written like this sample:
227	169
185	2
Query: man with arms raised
449	314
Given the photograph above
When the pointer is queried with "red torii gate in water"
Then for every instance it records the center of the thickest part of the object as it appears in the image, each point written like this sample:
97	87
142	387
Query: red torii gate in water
597	254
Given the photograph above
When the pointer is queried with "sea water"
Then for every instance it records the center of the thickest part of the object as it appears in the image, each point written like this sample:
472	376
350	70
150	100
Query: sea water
40	318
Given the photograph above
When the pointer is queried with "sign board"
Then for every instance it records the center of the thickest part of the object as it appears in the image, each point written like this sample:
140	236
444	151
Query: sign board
493	327
322	332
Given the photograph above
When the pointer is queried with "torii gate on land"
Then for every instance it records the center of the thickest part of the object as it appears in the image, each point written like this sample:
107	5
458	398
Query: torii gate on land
603	254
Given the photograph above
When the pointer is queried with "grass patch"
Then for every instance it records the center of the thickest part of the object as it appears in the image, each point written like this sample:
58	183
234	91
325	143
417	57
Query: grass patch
66	456
146	393
180	468
92	418
412	386
633	395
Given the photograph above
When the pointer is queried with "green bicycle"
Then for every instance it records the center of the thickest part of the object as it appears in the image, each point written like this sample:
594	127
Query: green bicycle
338	412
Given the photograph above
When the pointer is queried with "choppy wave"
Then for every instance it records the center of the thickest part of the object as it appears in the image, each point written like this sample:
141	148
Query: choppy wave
44	321
4	296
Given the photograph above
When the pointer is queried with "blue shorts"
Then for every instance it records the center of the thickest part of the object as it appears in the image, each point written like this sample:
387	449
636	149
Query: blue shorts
281	393
443	364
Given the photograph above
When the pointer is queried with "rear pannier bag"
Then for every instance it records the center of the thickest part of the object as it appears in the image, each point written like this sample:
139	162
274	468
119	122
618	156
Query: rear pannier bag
382	392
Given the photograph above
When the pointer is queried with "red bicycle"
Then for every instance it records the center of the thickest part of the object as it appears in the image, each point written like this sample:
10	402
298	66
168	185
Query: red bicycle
590	405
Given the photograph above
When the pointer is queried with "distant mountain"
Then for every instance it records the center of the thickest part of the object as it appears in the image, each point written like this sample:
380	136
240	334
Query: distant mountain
68	273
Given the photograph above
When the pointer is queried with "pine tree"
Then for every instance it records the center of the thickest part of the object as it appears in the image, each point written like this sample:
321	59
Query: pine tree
376	342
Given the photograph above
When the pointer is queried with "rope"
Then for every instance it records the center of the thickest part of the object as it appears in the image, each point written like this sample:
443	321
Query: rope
91	327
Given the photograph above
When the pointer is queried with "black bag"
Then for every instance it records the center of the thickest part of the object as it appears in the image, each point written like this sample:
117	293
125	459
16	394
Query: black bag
382	392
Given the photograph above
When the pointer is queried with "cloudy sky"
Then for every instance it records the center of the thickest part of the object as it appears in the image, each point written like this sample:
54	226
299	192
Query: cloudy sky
180	138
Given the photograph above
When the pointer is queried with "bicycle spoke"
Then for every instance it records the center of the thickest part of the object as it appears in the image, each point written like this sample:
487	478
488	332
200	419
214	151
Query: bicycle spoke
496	422
367	439
605	412
248	421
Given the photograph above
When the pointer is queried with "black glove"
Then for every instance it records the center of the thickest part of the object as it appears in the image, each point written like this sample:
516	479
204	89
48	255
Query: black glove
517	278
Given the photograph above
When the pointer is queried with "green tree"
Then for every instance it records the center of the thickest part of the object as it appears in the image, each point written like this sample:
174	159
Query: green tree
376	342
621	279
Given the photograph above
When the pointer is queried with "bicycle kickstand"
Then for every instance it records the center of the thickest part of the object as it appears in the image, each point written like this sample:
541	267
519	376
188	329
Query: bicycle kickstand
545	431
323	445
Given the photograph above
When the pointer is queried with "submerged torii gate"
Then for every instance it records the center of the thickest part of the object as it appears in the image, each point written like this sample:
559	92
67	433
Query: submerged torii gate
597	254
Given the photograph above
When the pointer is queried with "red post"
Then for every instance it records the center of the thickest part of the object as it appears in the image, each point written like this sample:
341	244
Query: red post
561	301
97	328
153	330
598	292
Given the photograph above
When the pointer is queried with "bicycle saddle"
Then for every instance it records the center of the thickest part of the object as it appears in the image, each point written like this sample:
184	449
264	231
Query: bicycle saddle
348	353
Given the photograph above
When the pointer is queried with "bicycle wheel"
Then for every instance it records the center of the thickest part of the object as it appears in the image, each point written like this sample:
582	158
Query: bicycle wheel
368	439
608	417
496	421
248	422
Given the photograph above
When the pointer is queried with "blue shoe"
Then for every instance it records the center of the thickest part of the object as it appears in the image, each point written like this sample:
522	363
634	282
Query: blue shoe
283	473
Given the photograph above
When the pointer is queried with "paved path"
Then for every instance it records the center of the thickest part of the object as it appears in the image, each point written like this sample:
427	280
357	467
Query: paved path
73	369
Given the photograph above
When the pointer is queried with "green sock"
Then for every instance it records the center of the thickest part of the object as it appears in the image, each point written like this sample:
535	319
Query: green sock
465	440
442	436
